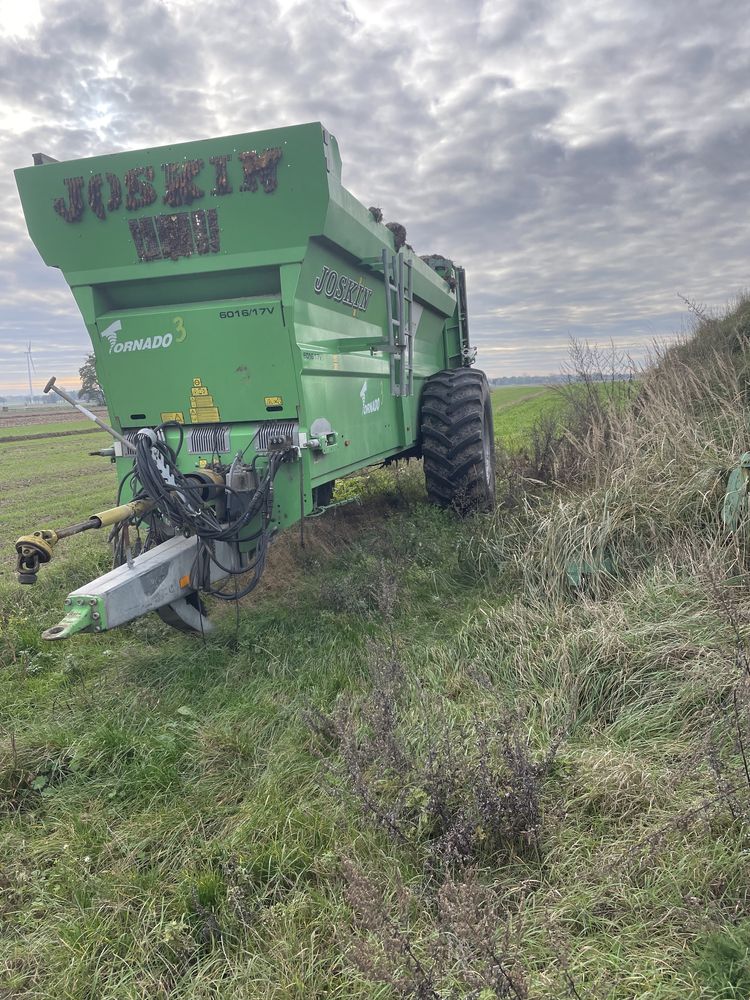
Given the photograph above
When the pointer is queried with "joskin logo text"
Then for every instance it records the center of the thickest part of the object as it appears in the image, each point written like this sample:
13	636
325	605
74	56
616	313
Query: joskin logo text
349	291
174	234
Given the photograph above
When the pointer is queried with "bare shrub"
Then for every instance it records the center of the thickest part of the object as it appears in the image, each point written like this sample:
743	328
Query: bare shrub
454	791
599	389
463	943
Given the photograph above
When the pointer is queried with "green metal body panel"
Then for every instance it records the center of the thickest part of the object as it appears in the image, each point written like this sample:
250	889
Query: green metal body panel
204	272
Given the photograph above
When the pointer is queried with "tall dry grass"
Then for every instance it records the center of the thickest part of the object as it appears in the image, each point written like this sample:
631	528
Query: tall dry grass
639	468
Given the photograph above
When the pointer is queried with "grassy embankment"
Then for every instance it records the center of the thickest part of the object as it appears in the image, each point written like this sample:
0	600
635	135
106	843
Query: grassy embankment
418	764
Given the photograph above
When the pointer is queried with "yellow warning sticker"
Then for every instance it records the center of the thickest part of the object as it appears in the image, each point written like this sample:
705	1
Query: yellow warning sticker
206	415
175	415
203	409
274	400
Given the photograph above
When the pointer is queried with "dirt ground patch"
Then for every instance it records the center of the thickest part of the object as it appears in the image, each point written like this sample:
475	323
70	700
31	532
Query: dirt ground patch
43	415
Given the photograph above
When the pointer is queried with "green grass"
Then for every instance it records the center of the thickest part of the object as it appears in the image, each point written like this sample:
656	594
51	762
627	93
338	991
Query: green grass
145	763
503	394
517	408
24	430
170	827
51	483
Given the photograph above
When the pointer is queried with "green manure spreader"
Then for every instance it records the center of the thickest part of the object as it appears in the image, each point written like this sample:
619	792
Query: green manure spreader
258	334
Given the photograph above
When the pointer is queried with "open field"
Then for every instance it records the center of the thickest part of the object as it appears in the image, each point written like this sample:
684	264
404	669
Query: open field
59	416
402	770
517	408
45	427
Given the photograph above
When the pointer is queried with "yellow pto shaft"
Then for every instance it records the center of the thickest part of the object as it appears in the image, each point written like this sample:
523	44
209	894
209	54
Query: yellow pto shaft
37	548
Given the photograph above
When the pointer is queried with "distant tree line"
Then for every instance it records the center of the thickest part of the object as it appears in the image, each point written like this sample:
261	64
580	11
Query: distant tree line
557	379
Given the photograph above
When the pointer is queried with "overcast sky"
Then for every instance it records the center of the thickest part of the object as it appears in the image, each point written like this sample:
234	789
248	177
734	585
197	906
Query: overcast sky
588	161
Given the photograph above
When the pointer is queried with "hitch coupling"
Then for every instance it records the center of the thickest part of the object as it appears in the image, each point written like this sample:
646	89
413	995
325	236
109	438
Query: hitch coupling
33	551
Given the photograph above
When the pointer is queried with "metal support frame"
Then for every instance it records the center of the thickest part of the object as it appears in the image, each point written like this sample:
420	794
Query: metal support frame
155	579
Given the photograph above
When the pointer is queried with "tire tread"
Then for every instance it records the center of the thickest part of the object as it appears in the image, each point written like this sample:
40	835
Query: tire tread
455	410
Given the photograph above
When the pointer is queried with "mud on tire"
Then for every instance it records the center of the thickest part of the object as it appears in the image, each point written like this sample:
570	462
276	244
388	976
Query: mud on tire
458	442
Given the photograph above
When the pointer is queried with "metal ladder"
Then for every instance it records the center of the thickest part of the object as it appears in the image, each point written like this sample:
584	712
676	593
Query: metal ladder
399	300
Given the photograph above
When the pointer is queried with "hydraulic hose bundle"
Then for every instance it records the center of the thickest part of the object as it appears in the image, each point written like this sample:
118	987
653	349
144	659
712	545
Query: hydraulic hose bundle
180	507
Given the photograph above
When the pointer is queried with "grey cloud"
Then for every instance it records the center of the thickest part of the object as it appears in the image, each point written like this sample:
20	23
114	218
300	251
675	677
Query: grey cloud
584	160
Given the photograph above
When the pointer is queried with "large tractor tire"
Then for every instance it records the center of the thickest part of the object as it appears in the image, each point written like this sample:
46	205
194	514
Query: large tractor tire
458	442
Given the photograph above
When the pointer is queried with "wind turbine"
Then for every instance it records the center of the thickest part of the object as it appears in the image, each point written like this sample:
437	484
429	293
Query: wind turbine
29	365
